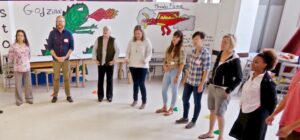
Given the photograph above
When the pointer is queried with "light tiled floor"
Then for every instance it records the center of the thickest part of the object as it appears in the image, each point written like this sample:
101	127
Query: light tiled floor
86	119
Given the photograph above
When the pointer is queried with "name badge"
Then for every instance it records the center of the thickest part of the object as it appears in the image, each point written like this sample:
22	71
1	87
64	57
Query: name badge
198	62
172	63
66	40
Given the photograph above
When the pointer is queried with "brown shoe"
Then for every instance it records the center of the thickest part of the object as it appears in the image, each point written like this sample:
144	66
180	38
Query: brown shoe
29	102
143	106
169	112
134	103
162	110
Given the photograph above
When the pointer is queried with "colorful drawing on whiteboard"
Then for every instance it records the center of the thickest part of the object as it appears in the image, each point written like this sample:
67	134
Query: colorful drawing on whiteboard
104	14
77	15
165	19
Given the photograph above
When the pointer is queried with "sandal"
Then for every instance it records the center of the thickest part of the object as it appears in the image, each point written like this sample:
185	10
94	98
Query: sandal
162	110
169	112
206	136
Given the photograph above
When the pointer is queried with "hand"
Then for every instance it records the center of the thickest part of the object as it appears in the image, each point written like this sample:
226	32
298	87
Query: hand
269	120
226	95
126	61
175	80
283	132
166	68
200	88
111	62
61	59
97	62
144	61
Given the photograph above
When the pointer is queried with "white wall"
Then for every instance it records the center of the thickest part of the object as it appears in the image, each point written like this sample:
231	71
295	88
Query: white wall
213	19
246	23
288	24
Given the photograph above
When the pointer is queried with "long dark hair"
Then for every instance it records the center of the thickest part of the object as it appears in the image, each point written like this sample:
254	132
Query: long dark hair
178	46
25	37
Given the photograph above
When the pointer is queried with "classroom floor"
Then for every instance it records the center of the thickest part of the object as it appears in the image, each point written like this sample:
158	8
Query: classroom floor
87	119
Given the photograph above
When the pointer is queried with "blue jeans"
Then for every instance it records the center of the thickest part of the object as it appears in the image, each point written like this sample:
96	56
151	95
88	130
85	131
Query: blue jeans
188	89
139	77
167	81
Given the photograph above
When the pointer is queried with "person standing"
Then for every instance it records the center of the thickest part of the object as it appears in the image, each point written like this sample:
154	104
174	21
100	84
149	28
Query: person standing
105	53
173	65
19	55
197	74
289	126
138	55
226	76
258	100
61	45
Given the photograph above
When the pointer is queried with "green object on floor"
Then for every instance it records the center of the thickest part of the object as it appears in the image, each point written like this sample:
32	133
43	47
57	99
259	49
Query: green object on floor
217	132
175	109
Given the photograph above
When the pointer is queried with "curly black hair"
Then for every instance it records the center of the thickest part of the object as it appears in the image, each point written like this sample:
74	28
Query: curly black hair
270	58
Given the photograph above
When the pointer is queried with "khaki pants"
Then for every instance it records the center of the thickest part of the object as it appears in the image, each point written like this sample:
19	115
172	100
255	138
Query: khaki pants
65	66
20	78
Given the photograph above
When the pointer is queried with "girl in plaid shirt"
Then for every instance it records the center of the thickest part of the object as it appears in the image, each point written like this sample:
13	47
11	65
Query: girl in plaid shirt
197	73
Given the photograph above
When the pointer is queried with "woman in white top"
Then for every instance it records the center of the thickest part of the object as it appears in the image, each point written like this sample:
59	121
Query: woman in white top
138	55
258	99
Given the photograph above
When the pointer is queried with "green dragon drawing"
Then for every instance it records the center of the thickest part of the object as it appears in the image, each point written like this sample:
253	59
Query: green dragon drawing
75	17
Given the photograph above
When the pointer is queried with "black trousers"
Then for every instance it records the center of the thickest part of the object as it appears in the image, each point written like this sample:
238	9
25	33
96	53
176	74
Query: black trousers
109	71
139	77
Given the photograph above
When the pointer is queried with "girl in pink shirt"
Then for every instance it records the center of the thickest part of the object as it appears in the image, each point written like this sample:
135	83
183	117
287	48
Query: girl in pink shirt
290	120
19	55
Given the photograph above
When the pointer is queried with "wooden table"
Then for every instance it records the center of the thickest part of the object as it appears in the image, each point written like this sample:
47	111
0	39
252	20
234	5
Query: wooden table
87	59
38	62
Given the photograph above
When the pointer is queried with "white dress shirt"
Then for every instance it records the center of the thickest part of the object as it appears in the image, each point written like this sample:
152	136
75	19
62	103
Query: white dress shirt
250	100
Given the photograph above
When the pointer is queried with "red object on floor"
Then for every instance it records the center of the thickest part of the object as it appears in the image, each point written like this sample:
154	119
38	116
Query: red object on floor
94	92
293	46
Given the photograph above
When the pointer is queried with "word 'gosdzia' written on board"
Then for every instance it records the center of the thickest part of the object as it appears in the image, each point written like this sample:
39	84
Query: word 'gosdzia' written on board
41	11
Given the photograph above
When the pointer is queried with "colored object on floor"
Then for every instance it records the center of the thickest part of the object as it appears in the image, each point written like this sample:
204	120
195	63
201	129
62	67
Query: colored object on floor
175	109
94	92
217	132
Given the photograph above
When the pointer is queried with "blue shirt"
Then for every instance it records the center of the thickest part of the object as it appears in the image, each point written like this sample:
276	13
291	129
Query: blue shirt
61	43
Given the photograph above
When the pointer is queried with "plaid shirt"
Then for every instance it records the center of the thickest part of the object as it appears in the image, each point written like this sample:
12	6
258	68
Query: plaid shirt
197	65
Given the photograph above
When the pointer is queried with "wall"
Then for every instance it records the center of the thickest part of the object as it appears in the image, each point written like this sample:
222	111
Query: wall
264	36
288	24
245	26
37	18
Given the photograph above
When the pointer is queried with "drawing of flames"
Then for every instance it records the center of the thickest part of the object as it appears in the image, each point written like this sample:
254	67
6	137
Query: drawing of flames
147	17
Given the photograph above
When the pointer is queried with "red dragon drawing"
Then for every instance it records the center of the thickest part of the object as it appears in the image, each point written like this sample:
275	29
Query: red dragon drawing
164	19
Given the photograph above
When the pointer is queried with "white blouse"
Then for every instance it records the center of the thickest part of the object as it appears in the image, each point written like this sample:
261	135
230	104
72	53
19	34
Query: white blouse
250	100
139	53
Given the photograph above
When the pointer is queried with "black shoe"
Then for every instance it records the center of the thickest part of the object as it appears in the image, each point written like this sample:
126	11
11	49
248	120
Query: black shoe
190	125
69	99
109	100
1	111
54	99
182	121
100	100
